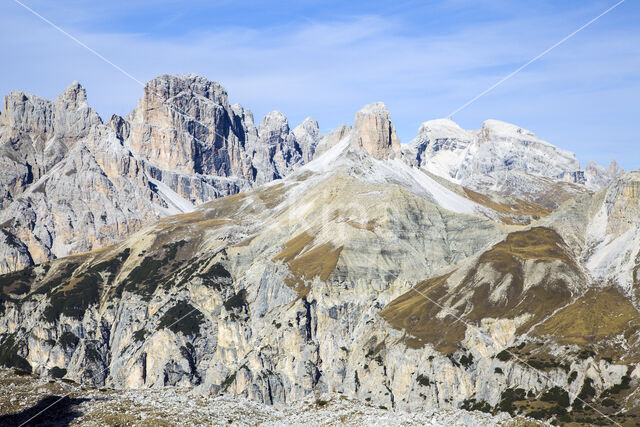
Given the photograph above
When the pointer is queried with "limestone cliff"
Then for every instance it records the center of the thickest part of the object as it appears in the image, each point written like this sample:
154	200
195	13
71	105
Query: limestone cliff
376	133
69	183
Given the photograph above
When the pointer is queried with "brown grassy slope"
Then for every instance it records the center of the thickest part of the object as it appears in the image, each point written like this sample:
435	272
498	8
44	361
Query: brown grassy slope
416	311
317	261
597	315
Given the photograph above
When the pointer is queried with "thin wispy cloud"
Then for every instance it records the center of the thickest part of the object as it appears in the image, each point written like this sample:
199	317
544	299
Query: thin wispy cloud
329	67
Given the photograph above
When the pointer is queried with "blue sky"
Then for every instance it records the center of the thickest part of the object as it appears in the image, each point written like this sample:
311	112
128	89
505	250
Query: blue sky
327	59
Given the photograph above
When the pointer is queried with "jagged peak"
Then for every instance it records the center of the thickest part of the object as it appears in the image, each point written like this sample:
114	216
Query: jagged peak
614	169
276	115
274	124
375	108
22	96
309	122
275	119
309	126
73	96
598	176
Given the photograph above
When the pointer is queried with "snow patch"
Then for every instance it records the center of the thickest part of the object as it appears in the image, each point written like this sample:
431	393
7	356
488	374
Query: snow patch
442	195
176	203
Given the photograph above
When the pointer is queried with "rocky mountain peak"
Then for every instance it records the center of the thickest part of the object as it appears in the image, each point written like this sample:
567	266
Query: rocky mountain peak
27	113
309	125
170	86
73	97
307	134
498	130
597	176
274	122
442	127
614	169
375	132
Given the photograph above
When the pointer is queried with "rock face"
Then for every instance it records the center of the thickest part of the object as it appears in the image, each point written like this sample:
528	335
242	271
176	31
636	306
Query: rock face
504	157
69	183
185	124
353	275
375	132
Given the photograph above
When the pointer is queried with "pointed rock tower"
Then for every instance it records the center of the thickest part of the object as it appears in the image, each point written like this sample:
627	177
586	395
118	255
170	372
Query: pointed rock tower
375	132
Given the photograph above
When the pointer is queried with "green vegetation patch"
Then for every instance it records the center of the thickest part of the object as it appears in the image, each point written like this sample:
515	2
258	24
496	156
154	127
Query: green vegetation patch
466	360
140	335
68	340
73	300
231	378
57	372
556	395
171	249
473	405
9	356
182	317
72	297
228	381
618	388
503	356
144	279
508	397
237	301
216	276
11	239
553	405
17	282
423	380
153	270
63	276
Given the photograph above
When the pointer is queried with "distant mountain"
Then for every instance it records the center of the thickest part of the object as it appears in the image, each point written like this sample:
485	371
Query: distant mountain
363	274
70	183
507	159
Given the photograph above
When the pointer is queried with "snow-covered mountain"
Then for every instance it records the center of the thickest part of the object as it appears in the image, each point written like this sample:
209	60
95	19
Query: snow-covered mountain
507	159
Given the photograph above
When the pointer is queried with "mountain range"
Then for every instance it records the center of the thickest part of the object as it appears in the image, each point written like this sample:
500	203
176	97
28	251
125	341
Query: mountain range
184	246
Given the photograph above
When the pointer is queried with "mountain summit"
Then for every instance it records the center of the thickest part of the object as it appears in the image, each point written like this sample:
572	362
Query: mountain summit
375	132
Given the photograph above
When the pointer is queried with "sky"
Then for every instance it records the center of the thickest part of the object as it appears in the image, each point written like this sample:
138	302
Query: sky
326	59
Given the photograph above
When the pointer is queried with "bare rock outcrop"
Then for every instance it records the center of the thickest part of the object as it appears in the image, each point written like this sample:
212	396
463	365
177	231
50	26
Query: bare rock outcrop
505	158
375	132
69	183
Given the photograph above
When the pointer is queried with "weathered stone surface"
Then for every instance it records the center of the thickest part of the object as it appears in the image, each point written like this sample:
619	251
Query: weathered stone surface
69	183
375	132
505	158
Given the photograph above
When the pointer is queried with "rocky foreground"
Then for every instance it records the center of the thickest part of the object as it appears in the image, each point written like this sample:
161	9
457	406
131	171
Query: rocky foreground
23	397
